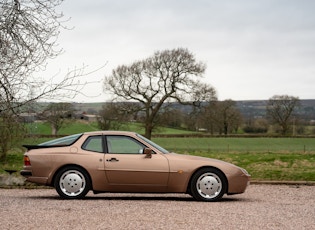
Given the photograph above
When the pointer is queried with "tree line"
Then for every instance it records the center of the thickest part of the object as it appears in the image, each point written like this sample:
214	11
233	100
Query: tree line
215	117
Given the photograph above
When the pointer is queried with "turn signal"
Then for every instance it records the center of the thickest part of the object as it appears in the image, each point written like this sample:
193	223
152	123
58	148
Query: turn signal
27	161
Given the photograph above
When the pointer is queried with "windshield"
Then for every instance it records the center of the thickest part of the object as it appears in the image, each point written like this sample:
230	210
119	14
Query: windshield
68	140
153	144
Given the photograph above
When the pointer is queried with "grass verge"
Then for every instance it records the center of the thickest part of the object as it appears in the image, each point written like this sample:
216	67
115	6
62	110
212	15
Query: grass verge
282	159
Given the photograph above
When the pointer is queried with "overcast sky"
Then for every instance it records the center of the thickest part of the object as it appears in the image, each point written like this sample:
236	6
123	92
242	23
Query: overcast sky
253	49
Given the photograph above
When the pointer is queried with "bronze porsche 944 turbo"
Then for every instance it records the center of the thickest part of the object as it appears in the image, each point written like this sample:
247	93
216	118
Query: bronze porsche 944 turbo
116	161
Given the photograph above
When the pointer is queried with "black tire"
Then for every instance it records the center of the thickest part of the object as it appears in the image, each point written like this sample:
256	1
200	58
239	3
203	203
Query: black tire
208	184
72	183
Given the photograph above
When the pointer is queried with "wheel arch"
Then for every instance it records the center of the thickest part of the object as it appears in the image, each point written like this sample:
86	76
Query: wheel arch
71	165
207	167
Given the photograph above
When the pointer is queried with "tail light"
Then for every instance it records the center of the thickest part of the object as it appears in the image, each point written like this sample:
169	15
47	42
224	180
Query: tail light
27	161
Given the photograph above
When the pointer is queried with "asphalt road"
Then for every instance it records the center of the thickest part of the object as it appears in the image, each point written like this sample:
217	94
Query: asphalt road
260	207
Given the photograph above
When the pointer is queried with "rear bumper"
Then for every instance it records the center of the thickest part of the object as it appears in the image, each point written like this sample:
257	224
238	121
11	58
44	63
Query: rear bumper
26	173
30	178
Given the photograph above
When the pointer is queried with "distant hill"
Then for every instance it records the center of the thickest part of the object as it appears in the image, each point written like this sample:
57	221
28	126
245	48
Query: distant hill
248	108
257	108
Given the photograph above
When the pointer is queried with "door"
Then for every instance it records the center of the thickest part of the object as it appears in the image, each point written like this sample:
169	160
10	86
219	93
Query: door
127	168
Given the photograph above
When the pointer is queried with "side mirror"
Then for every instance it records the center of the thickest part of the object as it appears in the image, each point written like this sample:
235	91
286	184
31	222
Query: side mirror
147	152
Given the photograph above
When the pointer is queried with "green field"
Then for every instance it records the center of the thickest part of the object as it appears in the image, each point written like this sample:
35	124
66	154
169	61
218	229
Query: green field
238	145
265	158
82	126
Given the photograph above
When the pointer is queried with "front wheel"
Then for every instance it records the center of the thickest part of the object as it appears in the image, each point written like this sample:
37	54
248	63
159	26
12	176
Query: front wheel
208	184
72	183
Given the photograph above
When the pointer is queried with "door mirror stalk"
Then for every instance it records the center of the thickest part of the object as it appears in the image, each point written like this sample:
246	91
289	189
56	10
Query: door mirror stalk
148	152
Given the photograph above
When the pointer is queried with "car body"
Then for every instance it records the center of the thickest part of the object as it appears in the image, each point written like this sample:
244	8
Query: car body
119	161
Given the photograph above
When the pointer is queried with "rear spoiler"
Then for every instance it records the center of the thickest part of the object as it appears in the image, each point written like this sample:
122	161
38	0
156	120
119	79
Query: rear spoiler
29	147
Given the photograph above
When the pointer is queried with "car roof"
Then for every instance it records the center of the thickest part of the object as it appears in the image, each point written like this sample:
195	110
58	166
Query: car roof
109	132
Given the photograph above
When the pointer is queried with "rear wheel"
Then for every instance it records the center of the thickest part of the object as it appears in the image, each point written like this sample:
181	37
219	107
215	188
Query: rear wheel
72	183
208	184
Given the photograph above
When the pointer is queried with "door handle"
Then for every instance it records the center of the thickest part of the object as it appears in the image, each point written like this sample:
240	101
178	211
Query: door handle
112	159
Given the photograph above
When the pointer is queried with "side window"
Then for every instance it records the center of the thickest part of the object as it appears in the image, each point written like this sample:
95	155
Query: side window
124	145
94	144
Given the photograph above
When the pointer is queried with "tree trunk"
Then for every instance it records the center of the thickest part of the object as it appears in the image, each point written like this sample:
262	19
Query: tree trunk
226	128
148	130
54	130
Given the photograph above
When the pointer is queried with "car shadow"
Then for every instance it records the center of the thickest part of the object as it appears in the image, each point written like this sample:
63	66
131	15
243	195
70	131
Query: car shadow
137	197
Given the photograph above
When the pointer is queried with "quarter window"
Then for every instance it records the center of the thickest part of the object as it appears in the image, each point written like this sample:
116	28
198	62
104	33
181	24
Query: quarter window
94	144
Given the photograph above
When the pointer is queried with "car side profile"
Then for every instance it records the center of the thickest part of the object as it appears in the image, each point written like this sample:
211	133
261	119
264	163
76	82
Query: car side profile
118	161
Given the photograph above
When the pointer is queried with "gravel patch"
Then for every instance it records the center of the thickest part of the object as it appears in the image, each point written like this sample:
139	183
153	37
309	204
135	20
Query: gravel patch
260	207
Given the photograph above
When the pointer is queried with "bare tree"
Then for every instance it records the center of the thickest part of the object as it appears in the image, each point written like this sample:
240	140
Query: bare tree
28	33
29	30
170	75
230	116
280	109
220	117
58	115
113	115
171	117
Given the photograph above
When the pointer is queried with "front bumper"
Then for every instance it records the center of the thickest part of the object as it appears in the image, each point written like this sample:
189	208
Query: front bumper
238	184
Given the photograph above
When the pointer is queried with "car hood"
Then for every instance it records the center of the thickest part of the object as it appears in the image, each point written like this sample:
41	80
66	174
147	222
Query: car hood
191	163
200	159
196	158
